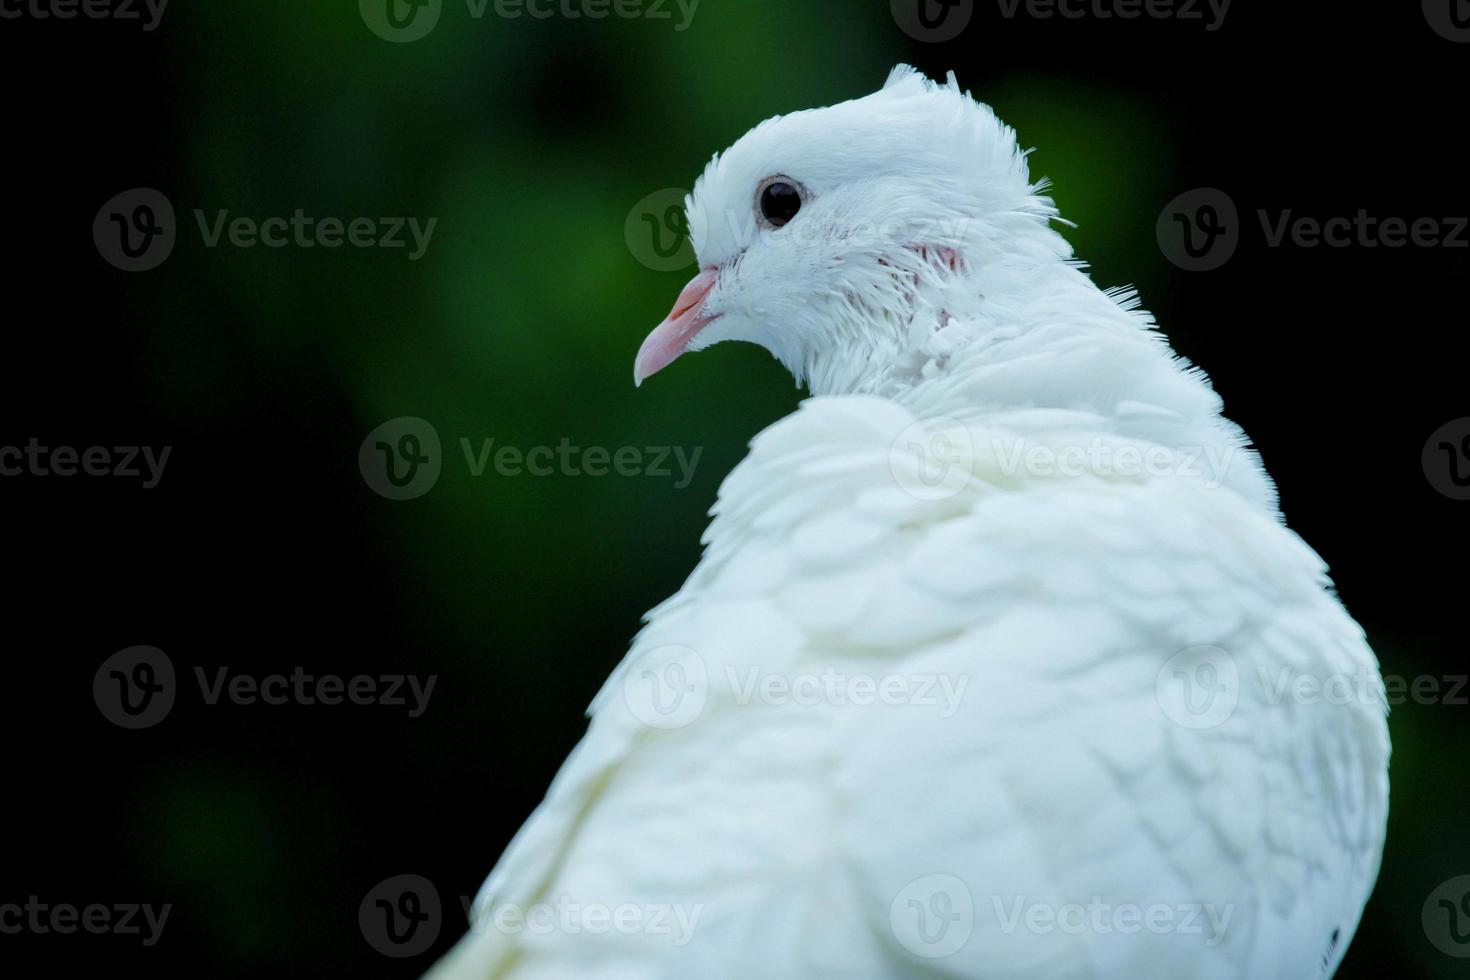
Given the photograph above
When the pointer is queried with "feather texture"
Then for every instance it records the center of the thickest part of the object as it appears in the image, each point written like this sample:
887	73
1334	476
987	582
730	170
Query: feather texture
990	665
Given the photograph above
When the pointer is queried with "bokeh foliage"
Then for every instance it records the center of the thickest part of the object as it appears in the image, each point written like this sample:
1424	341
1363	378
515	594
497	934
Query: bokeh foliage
529	140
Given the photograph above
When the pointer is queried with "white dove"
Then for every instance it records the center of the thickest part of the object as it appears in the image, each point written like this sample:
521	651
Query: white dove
999	662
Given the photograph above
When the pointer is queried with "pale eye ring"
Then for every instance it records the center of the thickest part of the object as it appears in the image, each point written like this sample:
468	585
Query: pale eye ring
777	200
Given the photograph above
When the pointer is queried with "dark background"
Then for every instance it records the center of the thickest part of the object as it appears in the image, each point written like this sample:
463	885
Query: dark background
263	548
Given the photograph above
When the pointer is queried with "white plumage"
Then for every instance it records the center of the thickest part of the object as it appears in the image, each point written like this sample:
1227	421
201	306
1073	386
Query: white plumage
999	660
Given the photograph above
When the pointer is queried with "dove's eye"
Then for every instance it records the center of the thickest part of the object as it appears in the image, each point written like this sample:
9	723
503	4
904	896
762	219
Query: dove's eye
780	199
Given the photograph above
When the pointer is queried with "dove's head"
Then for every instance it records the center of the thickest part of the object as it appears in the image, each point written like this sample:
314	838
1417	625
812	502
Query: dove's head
847	240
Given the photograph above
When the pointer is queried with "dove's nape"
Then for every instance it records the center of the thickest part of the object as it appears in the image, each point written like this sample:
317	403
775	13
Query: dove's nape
974	647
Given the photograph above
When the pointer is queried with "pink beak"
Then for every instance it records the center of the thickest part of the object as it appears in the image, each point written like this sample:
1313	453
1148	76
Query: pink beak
671	338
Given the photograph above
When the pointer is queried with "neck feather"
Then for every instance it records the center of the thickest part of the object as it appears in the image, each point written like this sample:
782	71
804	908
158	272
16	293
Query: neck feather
1049	348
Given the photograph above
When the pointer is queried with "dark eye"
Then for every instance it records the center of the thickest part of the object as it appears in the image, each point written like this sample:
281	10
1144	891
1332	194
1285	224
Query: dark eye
780	200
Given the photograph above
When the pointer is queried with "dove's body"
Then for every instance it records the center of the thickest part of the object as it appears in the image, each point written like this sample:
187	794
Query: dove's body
933	702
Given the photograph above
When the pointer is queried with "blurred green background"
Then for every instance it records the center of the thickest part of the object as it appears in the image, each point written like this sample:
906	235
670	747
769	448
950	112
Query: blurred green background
531	142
